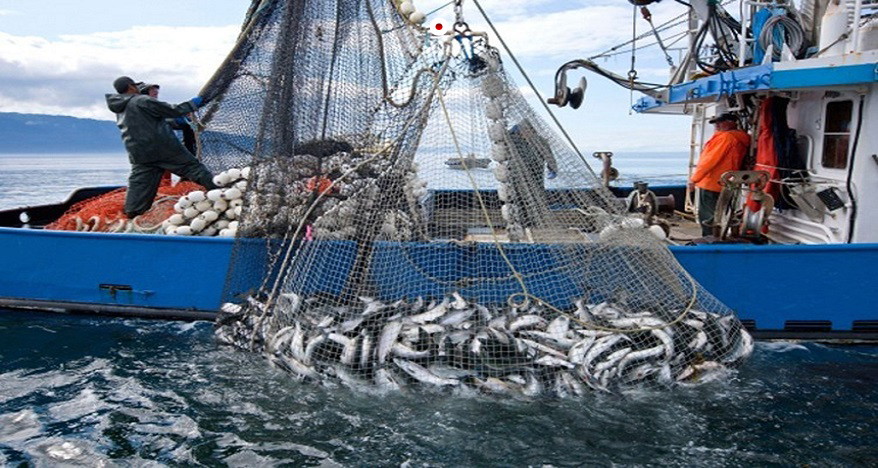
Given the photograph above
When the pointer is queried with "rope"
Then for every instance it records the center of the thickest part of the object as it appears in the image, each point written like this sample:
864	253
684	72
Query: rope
791	33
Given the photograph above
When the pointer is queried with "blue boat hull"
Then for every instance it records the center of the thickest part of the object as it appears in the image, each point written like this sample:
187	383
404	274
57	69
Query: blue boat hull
795	291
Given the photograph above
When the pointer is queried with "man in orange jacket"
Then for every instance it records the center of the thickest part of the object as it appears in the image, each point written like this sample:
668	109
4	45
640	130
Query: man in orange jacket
724	152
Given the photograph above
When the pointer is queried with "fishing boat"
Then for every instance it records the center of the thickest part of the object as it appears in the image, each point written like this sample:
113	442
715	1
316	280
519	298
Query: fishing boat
799	269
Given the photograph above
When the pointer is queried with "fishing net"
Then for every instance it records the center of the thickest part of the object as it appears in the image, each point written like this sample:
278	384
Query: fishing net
382	267
106	212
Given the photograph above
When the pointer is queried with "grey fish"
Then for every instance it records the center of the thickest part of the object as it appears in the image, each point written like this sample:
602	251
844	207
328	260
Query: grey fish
640	372
423	375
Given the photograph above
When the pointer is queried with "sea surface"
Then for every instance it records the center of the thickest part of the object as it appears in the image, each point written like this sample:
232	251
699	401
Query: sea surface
92	391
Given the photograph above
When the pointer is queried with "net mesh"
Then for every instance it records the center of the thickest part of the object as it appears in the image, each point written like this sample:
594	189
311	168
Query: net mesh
423	227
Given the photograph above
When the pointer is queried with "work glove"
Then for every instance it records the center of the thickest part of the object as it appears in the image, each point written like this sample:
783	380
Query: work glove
181	121
197	101
551	175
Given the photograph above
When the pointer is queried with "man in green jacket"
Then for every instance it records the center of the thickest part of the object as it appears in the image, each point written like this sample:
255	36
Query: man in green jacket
151	144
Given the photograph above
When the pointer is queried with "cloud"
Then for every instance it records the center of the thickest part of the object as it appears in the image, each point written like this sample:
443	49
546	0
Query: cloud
70	75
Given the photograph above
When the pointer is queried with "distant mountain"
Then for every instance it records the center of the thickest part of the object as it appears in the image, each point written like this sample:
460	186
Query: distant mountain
35	133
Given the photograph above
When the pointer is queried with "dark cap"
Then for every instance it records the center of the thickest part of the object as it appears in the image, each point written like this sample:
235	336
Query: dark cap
123	82
145	87
724	117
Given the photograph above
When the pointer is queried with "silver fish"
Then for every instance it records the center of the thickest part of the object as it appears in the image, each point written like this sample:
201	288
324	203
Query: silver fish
611	360
572	383
576	354
559	326
598	348
526	321
311	346
543	348
459	302
638	322
404	351
533	387
457	317
558	341
388	337
637	356
423	375
289	302
280	338
664	336
432	328
495	385
699	341
297	344
640	372
430	315
350	325
385	380
298	368
365	349
552	361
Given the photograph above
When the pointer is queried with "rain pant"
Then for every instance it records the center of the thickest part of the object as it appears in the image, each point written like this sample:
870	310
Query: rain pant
153	147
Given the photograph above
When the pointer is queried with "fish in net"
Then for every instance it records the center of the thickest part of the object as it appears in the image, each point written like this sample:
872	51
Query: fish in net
383	270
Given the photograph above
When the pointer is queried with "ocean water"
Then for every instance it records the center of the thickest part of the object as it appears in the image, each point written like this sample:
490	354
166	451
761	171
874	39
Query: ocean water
92	391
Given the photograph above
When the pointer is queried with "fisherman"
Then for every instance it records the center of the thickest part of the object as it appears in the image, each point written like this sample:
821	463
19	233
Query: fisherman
151	144
182	124
724	152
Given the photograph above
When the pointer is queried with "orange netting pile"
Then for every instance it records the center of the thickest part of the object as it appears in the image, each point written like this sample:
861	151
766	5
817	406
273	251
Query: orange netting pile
105	213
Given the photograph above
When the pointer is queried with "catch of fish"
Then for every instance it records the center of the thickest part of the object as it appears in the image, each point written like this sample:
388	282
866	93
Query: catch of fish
451	343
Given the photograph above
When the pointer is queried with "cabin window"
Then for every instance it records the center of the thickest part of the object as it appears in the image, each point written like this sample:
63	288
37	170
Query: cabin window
837	134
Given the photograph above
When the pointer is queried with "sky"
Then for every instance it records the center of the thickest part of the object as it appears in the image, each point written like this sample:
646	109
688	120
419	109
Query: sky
60	57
